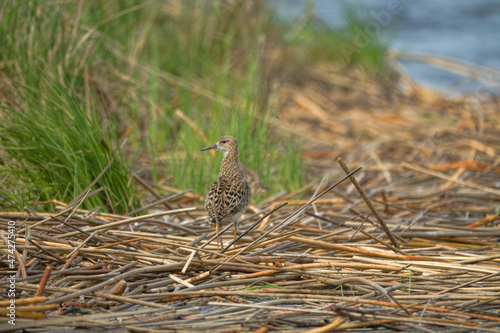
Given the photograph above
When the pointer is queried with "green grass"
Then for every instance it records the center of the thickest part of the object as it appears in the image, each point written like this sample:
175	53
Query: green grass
77	77
403	287
59	150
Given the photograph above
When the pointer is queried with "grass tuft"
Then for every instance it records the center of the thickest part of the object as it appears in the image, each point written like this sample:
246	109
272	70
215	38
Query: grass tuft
56	149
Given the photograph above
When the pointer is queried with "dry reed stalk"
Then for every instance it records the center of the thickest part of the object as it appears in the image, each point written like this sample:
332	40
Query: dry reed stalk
369	204
131	300
25	301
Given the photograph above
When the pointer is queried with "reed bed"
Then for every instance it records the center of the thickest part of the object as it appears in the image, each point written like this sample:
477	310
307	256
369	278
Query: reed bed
337	255
401	234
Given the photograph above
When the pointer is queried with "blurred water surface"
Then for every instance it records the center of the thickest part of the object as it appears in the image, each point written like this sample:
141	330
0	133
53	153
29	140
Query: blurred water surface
465	29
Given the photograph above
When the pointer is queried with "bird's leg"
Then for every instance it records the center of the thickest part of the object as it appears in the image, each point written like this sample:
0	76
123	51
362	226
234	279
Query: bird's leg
219	238
235	229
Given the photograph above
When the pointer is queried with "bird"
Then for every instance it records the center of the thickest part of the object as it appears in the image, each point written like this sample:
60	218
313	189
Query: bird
229	195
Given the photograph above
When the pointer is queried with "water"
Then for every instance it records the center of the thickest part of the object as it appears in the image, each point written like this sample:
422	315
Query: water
464	29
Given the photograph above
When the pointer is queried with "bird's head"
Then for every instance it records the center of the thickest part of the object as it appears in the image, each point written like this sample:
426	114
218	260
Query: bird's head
225	144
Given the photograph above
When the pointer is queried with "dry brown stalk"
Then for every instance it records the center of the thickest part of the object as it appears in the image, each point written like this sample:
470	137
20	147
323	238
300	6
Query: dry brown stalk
130	220
253	306
371	323
324	264
369	204
61	212
25	301
327	245
34	287
328	327
43	281
131	300
118	288
485	221
36	308
26	314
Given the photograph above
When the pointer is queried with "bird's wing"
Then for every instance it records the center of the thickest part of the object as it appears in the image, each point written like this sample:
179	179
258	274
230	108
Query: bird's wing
227	198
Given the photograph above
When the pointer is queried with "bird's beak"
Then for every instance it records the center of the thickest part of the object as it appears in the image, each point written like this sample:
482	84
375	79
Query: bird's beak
210	147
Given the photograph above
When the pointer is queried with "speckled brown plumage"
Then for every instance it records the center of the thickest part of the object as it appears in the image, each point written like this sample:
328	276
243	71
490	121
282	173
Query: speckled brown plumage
229	195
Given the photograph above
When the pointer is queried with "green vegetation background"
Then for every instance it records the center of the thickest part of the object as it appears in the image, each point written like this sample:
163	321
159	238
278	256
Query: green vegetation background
93	86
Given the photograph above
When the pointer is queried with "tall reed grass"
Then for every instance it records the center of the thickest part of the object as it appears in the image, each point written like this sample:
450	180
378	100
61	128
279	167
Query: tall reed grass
79	77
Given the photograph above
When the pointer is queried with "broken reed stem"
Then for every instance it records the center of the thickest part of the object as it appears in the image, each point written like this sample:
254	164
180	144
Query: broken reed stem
47	252
22	268
118	288
24	301
43	281
370	205
129	220
129	300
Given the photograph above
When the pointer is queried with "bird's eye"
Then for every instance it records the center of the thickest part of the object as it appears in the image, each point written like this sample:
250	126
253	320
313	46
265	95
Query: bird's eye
223	141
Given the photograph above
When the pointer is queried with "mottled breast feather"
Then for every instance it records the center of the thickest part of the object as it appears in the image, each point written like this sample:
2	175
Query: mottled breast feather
228	198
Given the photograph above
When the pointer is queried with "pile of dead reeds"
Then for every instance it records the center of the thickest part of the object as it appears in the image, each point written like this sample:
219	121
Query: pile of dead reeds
343	257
